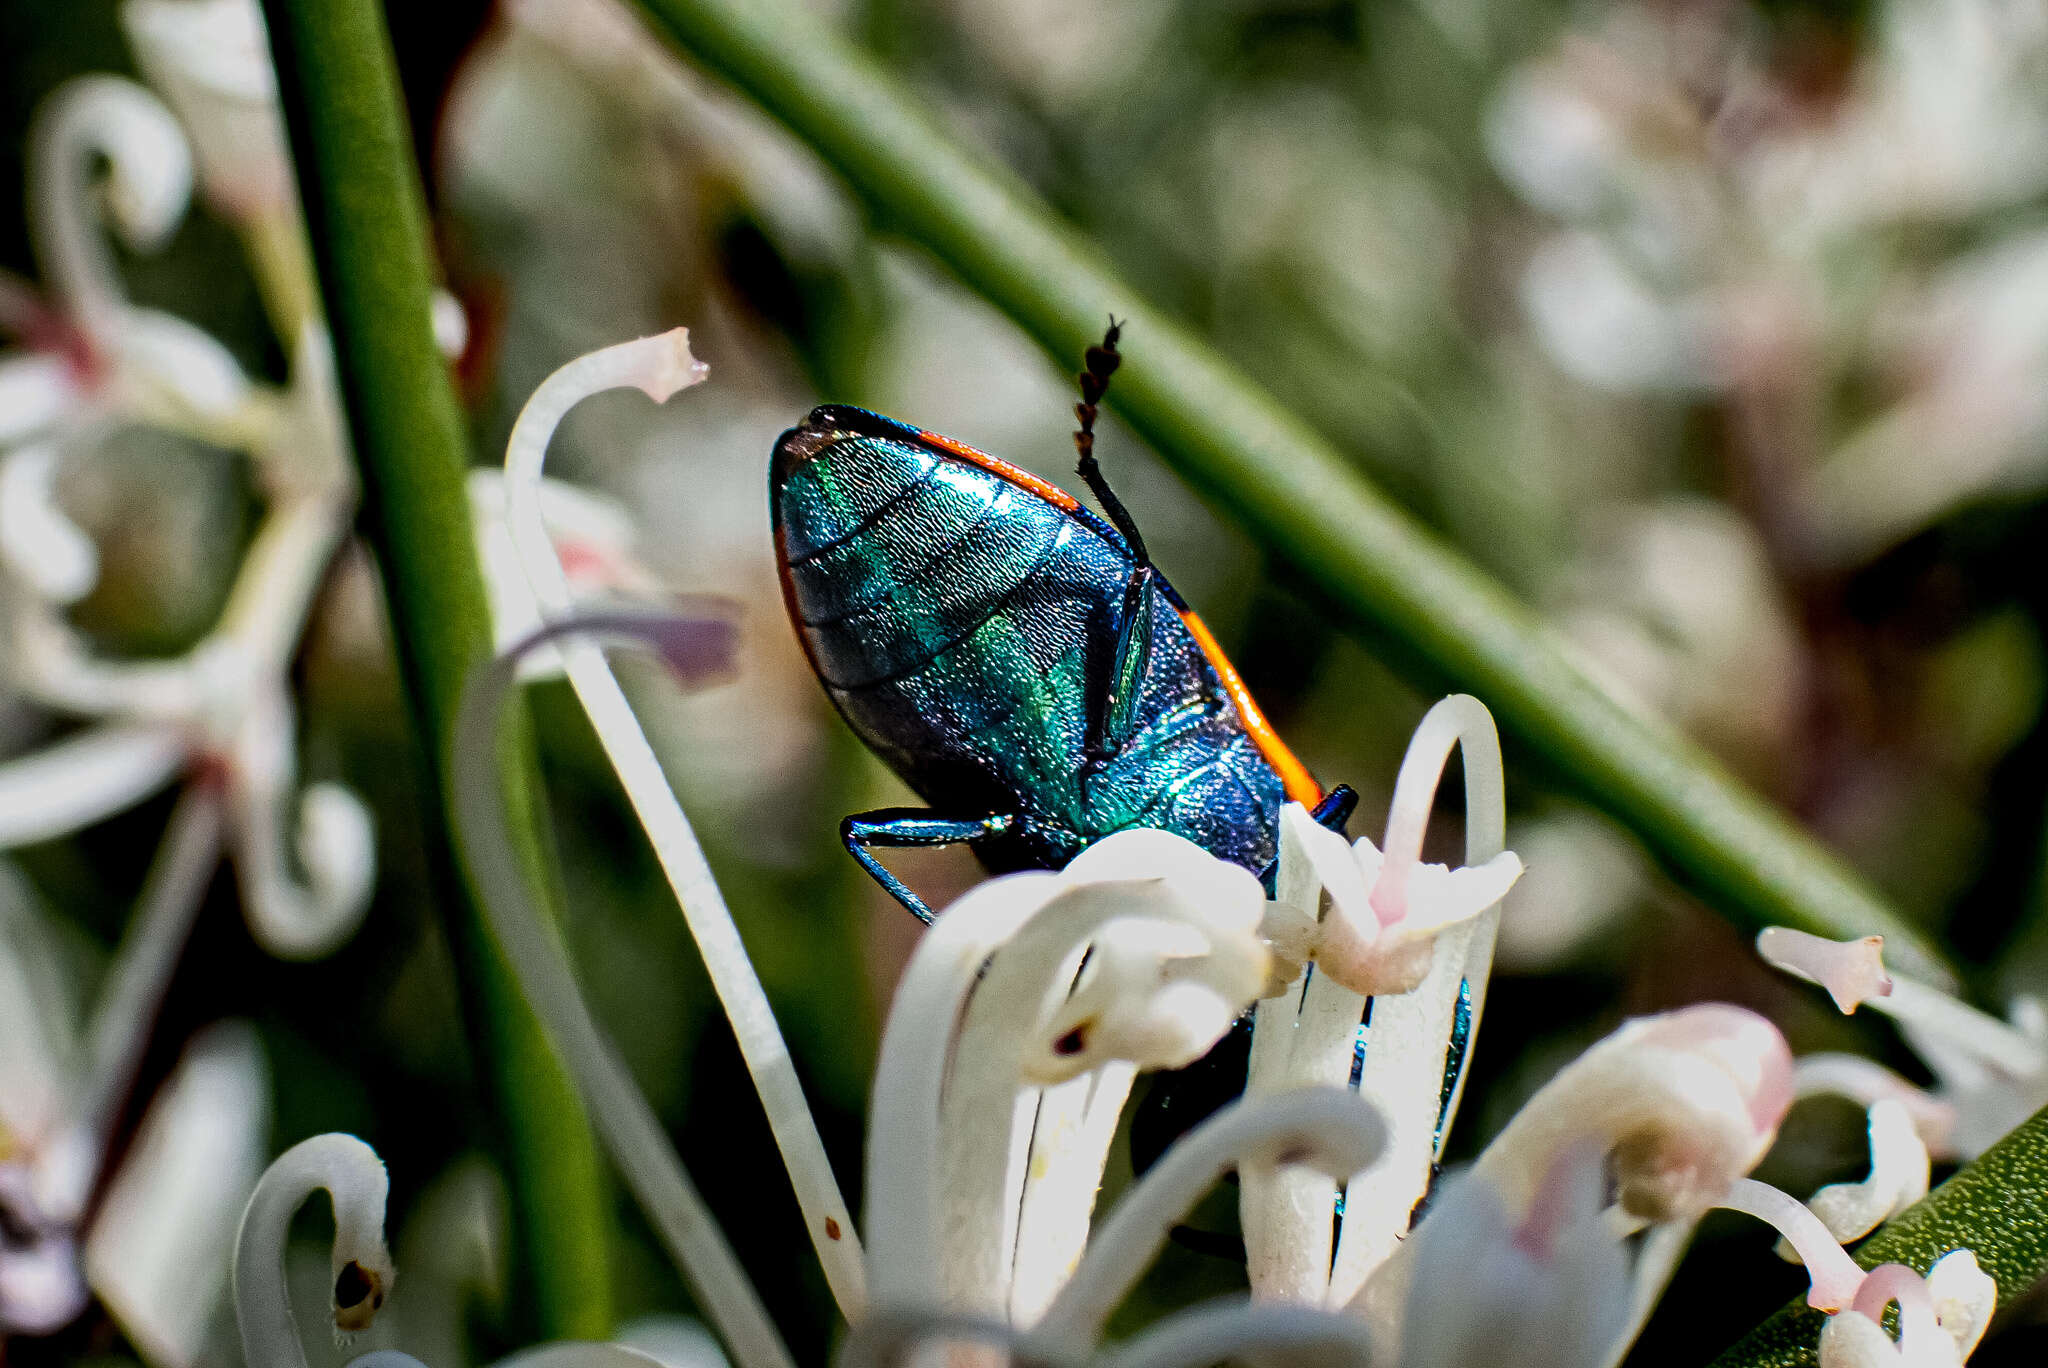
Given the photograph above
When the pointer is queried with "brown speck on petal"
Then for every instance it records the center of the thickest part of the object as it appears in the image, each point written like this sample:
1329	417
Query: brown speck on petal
358	1293
831	1228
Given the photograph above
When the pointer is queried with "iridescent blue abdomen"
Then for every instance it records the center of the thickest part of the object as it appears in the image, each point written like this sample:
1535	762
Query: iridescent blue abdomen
963	617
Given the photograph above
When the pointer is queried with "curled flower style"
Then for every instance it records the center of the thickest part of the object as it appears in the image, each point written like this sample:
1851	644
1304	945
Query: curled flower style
1417	939
220	715
1941	1316
361	1271
222	711
1007	1058
993	1041
96	357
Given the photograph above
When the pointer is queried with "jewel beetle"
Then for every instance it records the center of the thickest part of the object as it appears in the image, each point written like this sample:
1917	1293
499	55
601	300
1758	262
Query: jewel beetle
1015	657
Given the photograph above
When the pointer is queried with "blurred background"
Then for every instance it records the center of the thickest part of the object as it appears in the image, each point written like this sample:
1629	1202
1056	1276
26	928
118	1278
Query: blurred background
1716	330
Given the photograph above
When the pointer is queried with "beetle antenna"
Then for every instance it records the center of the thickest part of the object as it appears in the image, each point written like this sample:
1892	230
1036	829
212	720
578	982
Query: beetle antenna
1099	364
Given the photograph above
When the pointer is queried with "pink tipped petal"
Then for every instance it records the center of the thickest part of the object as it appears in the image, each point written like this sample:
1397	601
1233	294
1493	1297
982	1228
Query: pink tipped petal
1921	1340
1741	1042
1851	971
1836	1278
1683	1104
1457	721
666	366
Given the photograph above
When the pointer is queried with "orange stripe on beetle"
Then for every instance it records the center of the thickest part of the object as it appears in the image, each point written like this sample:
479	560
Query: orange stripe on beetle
996	465
1301	786
1294	776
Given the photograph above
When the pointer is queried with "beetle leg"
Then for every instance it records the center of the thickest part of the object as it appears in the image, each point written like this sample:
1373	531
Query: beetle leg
897	828
1117	720
1336	808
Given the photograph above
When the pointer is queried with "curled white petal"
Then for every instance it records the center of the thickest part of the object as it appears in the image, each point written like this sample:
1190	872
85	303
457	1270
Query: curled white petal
1379	961
1686	1102
1898	1178
149	183
39	543
1964	1297
1154	993
353	1177
1205	912
659	367
330	832
1419	939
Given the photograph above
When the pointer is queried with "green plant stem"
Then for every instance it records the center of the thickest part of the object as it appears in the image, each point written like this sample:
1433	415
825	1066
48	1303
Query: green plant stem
1274	475
366	217
1997	1207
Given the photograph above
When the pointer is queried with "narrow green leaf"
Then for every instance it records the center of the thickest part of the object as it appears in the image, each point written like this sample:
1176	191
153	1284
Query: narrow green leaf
1261	465
1996	1207
366	215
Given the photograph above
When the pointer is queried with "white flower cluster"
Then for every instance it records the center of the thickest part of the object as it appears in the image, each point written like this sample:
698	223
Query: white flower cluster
110	157
1031	1004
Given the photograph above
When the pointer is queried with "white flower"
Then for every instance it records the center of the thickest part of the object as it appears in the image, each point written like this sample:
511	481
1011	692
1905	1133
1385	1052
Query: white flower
1418	936
221	713
1670	1110
1179	929
104	357
1990	1075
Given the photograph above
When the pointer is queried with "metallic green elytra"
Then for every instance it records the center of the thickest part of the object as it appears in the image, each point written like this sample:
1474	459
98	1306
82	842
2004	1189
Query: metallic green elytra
1012	656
